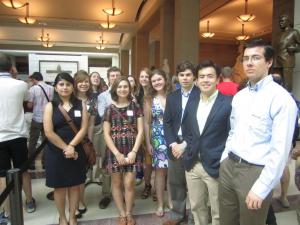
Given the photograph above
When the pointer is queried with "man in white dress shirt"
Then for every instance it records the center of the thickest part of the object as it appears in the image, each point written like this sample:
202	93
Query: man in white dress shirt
262	125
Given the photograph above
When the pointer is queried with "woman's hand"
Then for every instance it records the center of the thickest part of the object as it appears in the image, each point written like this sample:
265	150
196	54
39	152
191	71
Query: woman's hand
120	158
131	157
69	152
150	149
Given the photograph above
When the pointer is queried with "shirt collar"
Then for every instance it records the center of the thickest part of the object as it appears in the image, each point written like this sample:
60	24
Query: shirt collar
211	98
188	93
260	84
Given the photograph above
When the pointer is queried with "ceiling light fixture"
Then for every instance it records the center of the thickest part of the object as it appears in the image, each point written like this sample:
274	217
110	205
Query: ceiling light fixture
101	42
47	43
27	19
108	24
113	11
43	37
242	36
246	17
13	4
207	34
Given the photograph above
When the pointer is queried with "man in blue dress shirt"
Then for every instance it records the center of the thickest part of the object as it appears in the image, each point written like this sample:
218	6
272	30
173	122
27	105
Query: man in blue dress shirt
262	126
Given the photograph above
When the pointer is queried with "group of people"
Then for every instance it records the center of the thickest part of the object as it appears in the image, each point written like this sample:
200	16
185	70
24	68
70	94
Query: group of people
224	153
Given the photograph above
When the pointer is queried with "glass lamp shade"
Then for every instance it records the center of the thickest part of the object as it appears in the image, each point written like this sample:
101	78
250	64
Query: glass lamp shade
48	44
108	25
100	47
208	35
242	37
27	20
245	17
112	11
13	4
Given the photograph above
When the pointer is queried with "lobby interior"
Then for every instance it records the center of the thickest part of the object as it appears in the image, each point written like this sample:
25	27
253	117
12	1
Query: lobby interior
146	34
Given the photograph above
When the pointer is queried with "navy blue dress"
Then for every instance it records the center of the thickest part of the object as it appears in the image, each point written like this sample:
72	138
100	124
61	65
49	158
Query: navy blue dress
60	171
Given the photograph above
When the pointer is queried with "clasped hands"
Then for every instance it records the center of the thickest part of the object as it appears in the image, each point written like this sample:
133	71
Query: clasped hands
178	149
70	152
126	161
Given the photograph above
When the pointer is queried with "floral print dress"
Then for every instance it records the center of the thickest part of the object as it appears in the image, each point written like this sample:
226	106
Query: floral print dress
159	156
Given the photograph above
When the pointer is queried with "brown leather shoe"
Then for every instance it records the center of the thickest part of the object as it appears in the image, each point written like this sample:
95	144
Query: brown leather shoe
122	220
172	222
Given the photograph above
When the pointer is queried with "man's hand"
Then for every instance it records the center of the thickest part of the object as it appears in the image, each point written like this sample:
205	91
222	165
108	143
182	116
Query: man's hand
178	149
253	201
295	154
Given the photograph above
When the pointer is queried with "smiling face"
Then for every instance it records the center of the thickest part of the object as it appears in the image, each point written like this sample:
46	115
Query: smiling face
83	86
255	65
95	79
158	82
123	89
64	88
144	79
207	81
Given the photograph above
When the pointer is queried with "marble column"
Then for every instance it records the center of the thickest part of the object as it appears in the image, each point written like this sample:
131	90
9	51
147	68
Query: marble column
124	61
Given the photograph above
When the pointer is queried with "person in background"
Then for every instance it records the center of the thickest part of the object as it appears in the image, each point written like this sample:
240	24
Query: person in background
176	105
65	159
13	133
262	120
155	142
104	100
123	133
227	86
39	95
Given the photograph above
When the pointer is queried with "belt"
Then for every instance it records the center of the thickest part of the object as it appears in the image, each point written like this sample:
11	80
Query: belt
238	159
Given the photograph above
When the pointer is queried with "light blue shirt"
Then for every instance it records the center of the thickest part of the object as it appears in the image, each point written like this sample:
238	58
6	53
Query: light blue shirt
262	124
104	100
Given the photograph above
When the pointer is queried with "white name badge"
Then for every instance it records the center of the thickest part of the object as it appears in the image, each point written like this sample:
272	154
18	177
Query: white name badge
88	107
77	113
129	113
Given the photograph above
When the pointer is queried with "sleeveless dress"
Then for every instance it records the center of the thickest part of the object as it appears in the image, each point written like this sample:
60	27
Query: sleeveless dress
159	156
123	136
60	171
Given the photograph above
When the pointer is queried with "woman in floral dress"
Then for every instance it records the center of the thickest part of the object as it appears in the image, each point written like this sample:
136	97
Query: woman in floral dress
155	141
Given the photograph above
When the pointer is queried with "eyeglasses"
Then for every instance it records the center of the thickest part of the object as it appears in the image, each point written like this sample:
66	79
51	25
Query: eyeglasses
253	58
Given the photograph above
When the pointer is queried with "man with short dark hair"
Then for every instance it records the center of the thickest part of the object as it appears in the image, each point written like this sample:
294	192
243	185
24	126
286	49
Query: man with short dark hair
174	115
262	125
205	130
39	95
104	100
13	132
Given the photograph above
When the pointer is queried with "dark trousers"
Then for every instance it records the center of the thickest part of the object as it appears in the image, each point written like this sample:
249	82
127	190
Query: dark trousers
236	180
178	191
36	129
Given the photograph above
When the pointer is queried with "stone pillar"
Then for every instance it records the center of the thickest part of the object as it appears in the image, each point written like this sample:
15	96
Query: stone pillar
186	33
133	56
124	61
154	54
296	79
167	34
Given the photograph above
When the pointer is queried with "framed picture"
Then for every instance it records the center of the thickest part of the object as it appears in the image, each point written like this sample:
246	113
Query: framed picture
50	69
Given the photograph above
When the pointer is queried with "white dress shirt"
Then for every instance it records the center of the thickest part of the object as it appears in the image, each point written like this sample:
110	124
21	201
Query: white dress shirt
104	100
262	125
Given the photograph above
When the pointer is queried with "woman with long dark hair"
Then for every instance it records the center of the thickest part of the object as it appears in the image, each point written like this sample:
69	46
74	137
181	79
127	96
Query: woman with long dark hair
64	156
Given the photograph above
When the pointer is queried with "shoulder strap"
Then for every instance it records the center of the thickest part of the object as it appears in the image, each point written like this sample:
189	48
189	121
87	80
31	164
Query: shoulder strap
68	119
44	93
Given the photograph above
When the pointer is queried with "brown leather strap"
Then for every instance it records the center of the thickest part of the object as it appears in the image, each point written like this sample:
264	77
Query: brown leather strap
68	119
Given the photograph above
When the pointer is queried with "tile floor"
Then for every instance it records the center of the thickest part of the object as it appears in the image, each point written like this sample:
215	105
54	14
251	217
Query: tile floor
46	213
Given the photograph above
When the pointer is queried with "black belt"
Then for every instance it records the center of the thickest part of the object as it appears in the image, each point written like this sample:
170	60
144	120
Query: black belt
238	159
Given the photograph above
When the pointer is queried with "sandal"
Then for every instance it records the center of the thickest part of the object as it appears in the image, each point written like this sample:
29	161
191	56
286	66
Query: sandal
146	192
160	212
122	220
130	220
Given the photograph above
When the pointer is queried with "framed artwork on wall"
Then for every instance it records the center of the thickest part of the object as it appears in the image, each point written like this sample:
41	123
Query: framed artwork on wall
50	69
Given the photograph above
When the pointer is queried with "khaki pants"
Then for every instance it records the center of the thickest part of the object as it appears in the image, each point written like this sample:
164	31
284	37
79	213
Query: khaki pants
236	180
200	187
100	148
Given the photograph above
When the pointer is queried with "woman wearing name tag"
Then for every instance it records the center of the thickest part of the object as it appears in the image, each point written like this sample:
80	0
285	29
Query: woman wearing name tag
64	157
123	134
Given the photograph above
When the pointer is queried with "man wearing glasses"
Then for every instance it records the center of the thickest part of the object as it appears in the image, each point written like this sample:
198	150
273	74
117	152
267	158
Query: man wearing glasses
262	124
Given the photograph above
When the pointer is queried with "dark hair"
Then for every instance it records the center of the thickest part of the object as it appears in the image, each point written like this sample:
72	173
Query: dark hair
185	65
80	76
63	76
135	88
113	91
162	73
208	63
37	76
99	88
258	42
5	63
226	72
113	69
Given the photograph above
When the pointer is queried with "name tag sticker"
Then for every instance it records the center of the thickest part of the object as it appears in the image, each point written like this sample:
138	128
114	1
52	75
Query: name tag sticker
129	113
88	107
77	113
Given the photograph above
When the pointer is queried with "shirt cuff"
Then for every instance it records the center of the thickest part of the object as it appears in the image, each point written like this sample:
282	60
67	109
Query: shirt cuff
260	189
172	144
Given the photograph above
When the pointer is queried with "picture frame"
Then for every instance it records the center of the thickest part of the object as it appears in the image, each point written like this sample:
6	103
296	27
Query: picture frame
49	68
